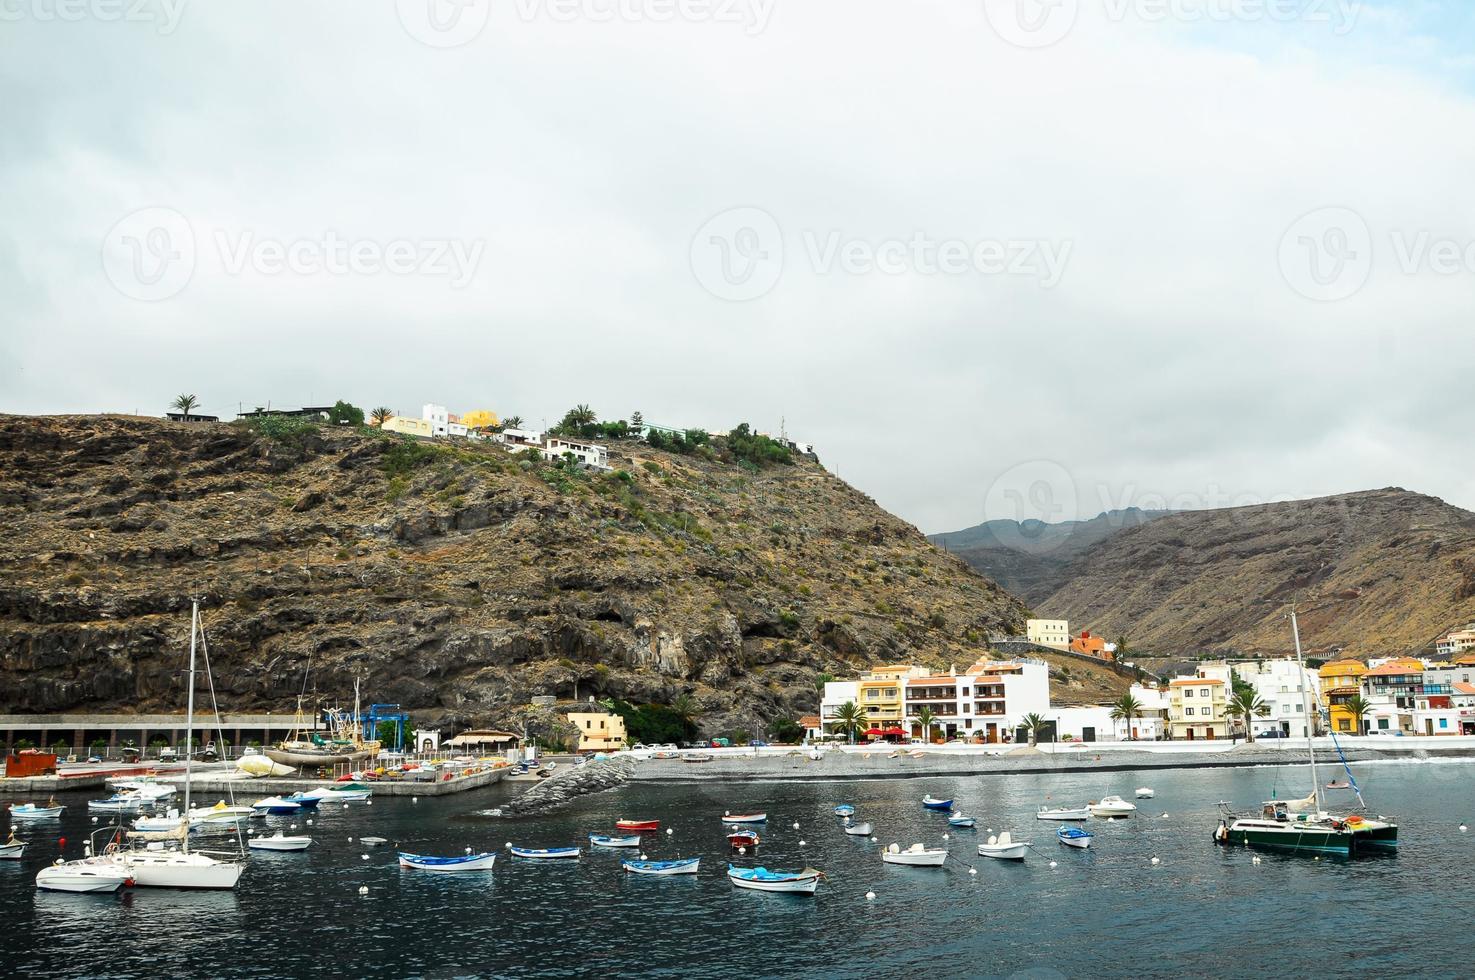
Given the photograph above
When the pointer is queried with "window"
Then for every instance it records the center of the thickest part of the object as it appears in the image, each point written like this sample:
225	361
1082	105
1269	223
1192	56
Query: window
1188	693
1188	711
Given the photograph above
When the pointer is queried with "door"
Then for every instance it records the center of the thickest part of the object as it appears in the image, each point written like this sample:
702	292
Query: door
1088	733
1190	734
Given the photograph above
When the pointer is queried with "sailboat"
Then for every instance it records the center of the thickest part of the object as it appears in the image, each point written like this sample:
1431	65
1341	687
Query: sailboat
1304	824
182	868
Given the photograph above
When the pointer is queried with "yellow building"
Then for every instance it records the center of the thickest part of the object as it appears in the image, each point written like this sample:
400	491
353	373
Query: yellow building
409	427
1341	680
881	693
479	419
1196	708
599	730
1048	632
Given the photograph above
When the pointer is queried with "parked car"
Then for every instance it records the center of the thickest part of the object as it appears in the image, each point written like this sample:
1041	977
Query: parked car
758	743
1274	733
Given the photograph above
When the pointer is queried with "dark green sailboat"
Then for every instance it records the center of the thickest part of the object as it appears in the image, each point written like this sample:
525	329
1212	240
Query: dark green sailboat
1305	825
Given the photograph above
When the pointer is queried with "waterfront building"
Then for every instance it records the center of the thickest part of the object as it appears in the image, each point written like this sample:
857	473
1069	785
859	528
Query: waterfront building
599	730
1152	724
980	703
812	727
836	693
1196	705
1291	695
1392	688
1341	680
880	693
1048	632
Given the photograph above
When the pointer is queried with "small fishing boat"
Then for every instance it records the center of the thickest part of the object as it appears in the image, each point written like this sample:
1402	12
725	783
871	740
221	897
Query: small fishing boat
742	838
82	878
600	840
761	879
1074	837
642	826
958	820
745	818
12	850
348	793
306	801
844	810
276	806
685	866
30	811
545	853
1063	813
1339	784
858	830
279	842
1112	806
932	803
465	862
373	841
1005	848
123	803
916	856
1145	793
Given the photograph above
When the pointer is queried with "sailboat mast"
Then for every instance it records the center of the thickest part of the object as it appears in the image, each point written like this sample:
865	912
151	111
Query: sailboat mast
1306	711
189	720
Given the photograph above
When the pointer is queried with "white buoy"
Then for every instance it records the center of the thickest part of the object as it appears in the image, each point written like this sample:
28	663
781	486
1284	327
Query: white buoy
870	896
363	857
368	802
727	813
468	850
945	837
345	806
1255	859
644	856
1463	828
350	840
1155	861
873	840
292	826
363	889
509	845
669	831
742	850
94	820
991	830
803	842
973	871
309	823
414	799
1052	864
796	825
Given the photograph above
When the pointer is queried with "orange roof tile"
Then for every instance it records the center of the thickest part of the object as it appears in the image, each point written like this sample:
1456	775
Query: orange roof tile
941	679
1184	681
809	721
1395	670
1462	688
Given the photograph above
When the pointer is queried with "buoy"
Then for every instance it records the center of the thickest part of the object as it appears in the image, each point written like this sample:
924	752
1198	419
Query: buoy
1052	864
292	826
350	840
803	842
309	823
364	857
1155	861
94	820
742	850
644	856
944	836
727	813
363	889
796	825
669	831
414	799
873	840
468	850
870	896
991	830
973	871
509	845
1255	859
368	802
61	842
1463	828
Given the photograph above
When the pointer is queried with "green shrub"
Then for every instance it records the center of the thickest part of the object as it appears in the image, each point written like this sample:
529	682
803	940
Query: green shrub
281	428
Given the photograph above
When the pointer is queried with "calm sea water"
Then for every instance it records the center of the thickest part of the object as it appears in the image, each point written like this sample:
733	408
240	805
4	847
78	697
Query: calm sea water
1202	911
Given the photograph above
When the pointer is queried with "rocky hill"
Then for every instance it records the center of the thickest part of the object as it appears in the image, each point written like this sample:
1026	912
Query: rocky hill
1374	573
1032	558
457	579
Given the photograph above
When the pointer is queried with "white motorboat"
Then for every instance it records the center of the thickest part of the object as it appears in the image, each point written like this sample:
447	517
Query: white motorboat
916	855
12	850
123	803
1063	813
279	842
78	877
1112	806
1145	793
276	806
143	787
328	794
744	818
220	819
859	830
1005	848
30	811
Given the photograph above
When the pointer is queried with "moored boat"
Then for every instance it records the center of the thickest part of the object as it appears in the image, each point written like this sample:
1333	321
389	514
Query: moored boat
1063	813
1074	837
80	878
12	850
761	879
745	818
545	853
916	856
685	866
30	811
276	806
602	840
858	830
958	820
279	842
932	803
844	810
1145	793
642	826
463	862
743	838
306	801
1112	806
1005	848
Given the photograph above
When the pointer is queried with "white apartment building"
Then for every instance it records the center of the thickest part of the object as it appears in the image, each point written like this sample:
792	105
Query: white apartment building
525	438
1048	632
1456	642
836	694
1290	695
590	455
985	702
1152	724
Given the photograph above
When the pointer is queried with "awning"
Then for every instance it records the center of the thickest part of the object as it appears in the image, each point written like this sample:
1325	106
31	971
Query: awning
874	731
893	731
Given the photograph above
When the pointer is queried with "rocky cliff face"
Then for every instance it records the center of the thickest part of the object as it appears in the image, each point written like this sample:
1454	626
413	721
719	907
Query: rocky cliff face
1374	573
458	580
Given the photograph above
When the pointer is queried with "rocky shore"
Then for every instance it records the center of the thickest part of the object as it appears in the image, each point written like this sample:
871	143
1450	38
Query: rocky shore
568	785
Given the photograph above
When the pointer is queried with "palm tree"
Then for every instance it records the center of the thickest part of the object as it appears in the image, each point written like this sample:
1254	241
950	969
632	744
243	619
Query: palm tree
1122	646
820	680
512	422
1246	704
184	404
581	415
1032	723
1128	709
1359	706
686	709
852	717
381	415
926	719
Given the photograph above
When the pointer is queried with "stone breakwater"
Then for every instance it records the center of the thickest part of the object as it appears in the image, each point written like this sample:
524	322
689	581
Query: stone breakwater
570	784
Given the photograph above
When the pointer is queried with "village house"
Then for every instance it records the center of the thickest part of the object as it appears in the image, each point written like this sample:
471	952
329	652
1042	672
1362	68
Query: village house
1456	642
1196	707
1048	632
1290	694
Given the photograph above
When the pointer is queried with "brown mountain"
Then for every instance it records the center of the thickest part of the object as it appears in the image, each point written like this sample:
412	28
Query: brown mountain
1380	572
455	578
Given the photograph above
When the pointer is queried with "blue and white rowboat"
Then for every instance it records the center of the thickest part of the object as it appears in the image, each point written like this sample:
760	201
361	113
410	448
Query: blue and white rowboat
601	840
545	853
30	811
761	879
844	810
959	820
1074	837
468	862
686	866
934	804
745	818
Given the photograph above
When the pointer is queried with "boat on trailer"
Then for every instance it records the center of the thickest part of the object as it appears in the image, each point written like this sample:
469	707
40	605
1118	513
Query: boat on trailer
762	880
685	866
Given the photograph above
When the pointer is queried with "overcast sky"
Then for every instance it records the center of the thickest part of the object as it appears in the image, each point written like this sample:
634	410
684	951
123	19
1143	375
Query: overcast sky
993	262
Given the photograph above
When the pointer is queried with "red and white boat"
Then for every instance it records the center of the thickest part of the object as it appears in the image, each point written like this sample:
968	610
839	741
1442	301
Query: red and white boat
642	826
745	818
743	838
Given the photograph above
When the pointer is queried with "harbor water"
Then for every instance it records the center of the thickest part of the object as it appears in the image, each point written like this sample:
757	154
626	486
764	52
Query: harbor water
1202	910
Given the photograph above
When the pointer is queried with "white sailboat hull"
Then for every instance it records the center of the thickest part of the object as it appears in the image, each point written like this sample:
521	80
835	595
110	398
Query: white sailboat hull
173	869
80	879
